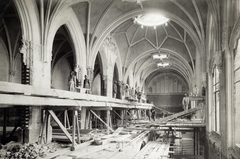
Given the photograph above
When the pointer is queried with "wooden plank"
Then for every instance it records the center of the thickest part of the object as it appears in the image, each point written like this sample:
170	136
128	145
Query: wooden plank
60	137
187	156
160	152
117	114
99	108
32	95
82	131
14	88
60	125
166	151
36	101
74	129
121	138
22	100
108	121
176	115
116	132
78	130
157	151
43	131
90	149
66	151
146	150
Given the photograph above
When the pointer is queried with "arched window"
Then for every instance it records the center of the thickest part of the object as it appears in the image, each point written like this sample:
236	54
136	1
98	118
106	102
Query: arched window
237	93
216	104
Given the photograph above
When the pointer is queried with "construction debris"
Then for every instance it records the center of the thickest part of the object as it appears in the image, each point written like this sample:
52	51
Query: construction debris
26	151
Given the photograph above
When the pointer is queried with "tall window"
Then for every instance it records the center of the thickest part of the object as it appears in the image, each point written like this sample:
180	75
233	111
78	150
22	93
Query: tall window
216	100
237	93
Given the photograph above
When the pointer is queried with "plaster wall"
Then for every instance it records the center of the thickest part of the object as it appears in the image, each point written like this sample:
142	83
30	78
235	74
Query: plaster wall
4	65
96	85
16	78
172	103
60	75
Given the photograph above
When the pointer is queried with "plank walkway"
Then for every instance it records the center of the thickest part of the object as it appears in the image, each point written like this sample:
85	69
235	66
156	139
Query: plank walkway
175	116
154	150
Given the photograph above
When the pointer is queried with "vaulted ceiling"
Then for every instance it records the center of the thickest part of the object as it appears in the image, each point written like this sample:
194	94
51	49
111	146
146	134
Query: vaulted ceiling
182	38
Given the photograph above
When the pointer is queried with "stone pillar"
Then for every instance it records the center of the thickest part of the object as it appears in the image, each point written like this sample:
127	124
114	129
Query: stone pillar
34	126
11	75
119	90
122	116
90	76
40	69
109	85
83	117
108	120
104	85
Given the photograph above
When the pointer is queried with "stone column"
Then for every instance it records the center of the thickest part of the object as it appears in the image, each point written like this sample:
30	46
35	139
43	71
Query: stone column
122	116
34	126
104	85
83	117
109	85
119	90
108	120
90	76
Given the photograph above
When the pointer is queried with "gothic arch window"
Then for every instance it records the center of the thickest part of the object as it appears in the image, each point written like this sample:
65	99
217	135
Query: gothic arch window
63	59
237	92
216	104
97	83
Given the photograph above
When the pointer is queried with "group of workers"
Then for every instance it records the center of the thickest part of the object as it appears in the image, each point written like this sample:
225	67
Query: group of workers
151	114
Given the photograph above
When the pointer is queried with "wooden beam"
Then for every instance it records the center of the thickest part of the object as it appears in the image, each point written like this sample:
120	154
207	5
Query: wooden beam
101	120
60	125
130	114
99	108
4	125
31	95
23	100
176	115
74	130
44	131
48	139
117	114
78	130
43	101
20	89
108	121
187	156
66	119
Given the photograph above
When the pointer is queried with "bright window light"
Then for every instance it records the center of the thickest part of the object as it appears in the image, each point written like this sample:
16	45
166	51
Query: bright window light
151	19
163	64
160	56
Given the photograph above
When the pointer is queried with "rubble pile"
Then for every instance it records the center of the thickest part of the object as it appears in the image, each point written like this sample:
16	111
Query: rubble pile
25	151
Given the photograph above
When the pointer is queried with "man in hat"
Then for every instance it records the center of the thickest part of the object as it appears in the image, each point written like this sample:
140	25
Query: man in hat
185	102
